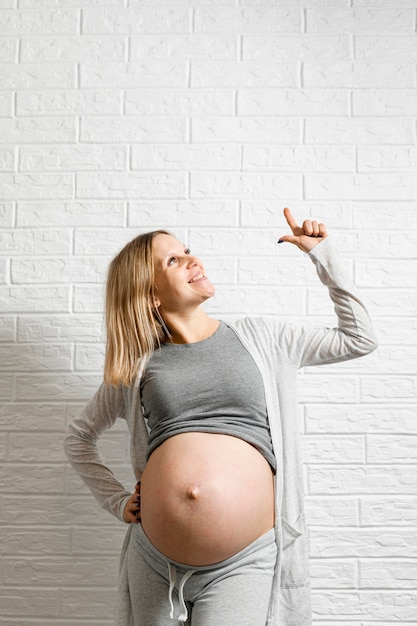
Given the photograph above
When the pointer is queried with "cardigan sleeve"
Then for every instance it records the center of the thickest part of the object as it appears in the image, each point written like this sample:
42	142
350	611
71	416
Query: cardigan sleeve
81	448
353	336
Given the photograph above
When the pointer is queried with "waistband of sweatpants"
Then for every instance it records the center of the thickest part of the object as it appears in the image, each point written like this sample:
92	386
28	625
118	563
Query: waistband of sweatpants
261	542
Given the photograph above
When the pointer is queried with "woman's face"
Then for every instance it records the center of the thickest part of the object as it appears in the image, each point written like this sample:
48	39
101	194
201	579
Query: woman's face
180	280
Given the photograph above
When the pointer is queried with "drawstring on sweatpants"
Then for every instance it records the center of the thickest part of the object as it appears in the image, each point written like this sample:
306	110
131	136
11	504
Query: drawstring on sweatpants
183	616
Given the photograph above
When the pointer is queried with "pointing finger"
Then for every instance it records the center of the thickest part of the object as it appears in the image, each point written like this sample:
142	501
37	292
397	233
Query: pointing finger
290	219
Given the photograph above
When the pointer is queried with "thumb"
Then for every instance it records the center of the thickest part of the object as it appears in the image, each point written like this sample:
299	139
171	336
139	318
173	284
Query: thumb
288	239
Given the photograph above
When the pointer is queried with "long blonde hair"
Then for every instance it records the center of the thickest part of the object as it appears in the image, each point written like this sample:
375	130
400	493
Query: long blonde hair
133	324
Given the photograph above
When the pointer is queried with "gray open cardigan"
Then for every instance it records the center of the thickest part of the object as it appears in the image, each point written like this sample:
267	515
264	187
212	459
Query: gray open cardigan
279	349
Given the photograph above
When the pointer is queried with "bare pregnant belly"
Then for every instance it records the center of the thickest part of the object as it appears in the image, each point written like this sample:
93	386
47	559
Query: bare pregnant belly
205	497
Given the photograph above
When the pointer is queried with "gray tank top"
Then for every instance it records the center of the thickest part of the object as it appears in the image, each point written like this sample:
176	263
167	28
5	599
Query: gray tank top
211	386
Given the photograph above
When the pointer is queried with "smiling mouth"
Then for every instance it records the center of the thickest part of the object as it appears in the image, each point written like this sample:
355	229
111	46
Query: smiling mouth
197	277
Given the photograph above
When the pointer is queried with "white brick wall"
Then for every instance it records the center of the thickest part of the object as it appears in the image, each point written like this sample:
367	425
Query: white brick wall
207	117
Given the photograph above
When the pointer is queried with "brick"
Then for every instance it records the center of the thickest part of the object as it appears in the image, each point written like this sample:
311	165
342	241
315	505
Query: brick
6	159
269	215
35	357
88	241
6	387
6	214
186	157
133	130
245	130
22	479
34	22
19	540
298	158
245	185
179	102
331	511
240	301
40	241
272	271
367	214
358	75
296	47
40	417
292	102
356	131
62	328
375	605
385	48
313	388
327	449
88	299
8	327
360	21
136	20
131	75
6	104
70	571
89	357
173	214
33	130
334	574
72	157
249	74
131	185
392	159
353	418
400	335
35	76
31	603
28	4
374	273
45	513
3	446
392	449
102	540
4	272
8	49
56	387
65	49
183	47
79	602
21	299
392	511
68	102
364	480
359	186
363	542
384	102
247	20
67	214
397	574
36	186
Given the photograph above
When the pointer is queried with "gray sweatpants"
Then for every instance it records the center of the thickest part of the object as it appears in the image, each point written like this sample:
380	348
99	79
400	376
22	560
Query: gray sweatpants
234	592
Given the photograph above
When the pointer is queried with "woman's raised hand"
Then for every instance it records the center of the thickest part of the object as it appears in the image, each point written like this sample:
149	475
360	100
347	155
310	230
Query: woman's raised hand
131	513
306	236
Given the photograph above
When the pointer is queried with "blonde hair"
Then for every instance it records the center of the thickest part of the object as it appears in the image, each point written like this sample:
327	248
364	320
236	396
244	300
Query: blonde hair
133	324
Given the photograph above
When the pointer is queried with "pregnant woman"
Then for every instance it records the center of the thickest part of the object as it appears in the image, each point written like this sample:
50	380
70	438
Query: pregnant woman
217	534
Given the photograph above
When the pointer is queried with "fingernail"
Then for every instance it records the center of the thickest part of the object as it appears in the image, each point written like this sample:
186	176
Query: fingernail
280	241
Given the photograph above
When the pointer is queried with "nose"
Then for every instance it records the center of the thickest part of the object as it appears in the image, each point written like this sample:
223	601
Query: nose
192	260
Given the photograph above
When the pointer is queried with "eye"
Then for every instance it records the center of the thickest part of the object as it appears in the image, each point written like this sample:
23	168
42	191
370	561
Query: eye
172	260
187	251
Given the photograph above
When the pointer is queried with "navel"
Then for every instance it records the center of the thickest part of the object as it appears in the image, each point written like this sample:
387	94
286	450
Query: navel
193	493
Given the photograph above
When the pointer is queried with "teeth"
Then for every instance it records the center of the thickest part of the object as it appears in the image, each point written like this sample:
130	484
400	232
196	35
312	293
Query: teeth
196	277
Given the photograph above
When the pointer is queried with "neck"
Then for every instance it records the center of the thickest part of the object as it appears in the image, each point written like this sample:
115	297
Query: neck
190	328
